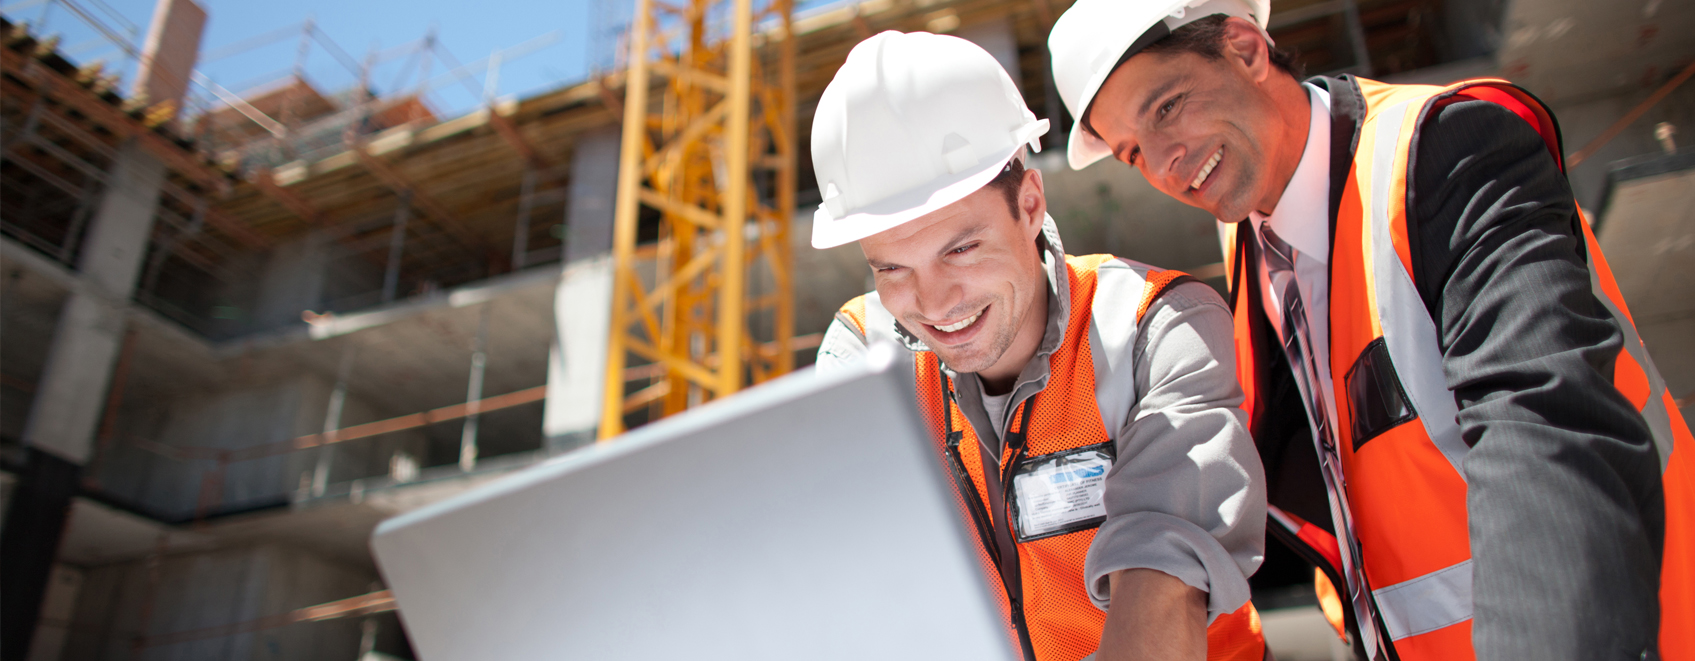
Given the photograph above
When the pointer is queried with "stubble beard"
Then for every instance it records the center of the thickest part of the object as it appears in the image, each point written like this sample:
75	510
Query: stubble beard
1247	189
1239	201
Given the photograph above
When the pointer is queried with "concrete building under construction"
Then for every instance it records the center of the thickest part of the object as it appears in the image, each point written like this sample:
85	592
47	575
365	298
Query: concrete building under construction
236	334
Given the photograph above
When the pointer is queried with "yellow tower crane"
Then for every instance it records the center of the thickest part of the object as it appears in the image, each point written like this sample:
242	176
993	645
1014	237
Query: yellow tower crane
707	307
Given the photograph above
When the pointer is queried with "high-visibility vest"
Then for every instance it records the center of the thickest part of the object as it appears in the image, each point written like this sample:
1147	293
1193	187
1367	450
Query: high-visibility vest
1397	432
1047	609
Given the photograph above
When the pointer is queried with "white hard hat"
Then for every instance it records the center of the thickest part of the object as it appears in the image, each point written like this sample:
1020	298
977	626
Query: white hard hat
911	123
1093	36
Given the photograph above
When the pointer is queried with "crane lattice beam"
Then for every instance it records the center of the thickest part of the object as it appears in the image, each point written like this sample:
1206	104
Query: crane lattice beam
712	156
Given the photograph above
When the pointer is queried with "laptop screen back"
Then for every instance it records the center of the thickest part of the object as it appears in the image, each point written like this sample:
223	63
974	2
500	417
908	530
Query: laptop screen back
808	518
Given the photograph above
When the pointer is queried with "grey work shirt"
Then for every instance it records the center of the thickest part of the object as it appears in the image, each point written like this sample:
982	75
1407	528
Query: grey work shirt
1186	495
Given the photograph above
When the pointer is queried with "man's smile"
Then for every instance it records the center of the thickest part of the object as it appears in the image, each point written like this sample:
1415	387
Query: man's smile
1206	171
958	332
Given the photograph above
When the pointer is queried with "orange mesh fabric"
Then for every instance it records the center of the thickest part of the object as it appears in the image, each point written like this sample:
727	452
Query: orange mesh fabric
854	310
1062	622
1158	281
930	398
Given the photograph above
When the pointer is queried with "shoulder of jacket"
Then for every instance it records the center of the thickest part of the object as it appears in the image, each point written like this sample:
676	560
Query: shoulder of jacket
853	313
1474	116
1123	279
868	319
1187	294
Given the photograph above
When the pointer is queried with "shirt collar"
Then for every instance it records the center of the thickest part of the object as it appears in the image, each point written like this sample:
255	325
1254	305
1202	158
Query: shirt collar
1302	216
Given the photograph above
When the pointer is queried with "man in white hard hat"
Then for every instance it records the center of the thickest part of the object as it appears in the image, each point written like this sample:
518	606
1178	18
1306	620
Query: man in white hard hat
1459	424
1122	509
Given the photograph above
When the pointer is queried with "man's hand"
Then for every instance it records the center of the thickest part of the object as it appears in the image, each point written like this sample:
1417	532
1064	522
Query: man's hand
1153	616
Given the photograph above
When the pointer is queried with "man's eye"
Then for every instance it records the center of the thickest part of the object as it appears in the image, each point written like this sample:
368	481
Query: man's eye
887	269
1168	107
963	249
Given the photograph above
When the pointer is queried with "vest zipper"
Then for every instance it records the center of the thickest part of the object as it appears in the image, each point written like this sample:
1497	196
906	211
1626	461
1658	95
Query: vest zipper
991	536
1005	515
974	507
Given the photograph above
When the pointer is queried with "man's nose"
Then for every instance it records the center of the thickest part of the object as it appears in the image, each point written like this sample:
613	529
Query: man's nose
1162	157
937	295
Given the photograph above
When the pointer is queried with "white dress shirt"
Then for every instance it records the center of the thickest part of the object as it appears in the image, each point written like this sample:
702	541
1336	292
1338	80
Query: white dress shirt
1302	219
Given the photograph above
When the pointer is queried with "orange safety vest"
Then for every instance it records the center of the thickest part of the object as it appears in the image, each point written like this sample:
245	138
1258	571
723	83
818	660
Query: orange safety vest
1047	609
1405	487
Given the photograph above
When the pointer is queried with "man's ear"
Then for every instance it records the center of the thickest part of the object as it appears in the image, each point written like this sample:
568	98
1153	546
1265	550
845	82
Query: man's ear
1032	202
1245	46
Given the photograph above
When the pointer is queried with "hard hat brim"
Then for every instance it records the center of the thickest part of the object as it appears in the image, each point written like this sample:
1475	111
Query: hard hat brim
830	232
1083	149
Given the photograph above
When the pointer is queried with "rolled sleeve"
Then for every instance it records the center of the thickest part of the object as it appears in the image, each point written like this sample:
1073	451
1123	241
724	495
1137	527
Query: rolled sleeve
1186	495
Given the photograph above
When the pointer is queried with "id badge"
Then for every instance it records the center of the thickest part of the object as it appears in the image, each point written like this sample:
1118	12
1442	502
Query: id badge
1059	493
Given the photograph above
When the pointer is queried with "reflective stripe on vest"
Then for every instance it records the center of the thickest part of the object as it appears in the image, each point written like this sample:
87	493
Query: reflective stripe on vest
1414	562
1406	482
1053	611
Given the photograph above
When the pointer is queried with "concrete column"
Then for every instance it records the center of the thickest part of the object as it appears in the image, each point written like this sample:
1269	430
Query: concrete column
582	304
173	45
996	36
594	185
71	395
57	609
293	280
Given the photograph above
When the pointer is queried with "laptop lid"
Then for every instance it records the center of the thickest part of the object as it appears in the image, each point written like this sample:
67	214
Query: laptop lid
807	518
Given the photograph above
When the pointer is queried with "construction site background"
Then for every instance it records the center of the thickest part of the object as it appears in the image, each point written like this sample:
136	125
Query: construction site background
253	322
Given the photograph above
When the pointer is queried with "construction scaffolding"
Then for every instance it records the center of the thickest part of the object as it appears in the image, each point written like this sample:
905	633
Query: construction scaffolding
364	266
711	161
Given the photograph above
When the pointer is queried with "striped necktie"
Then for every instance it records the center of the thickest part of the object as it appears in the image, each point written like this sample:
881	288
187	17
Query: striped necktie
1297	345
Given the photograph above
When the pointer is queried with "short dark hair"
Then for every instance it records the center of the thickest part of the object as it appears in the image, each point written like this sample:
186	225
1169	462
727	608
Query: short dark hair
1203	37
1010	179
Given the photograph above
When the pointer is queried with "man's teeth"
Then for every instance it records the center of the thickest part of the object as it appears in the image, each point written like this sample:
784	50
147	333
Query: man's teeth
954	327
1207	169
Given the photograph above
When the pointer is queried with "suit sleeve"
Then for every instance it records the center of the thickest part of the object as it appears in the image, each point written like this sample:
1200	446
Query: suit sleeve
1564	495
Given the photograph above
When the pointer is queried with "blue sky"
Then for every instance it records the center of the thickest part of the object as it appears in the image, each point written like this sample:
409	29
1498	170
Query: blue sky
468	31
557	38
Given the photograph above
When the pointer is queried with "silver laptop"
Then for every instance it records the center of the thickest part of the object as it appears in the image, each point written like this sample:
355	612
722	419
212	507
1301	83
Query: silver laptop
807	518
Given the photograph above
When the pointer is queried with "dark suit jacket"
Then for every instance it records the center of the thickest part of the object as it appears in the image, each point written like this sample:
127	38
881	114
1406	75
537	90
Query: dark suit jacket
1565	503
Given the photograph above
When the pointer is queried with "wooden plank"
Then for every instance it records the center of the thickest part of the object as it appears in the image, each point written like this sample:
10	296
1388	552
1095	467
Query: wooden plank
71	94
509	133
266	183
421	199
471	166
